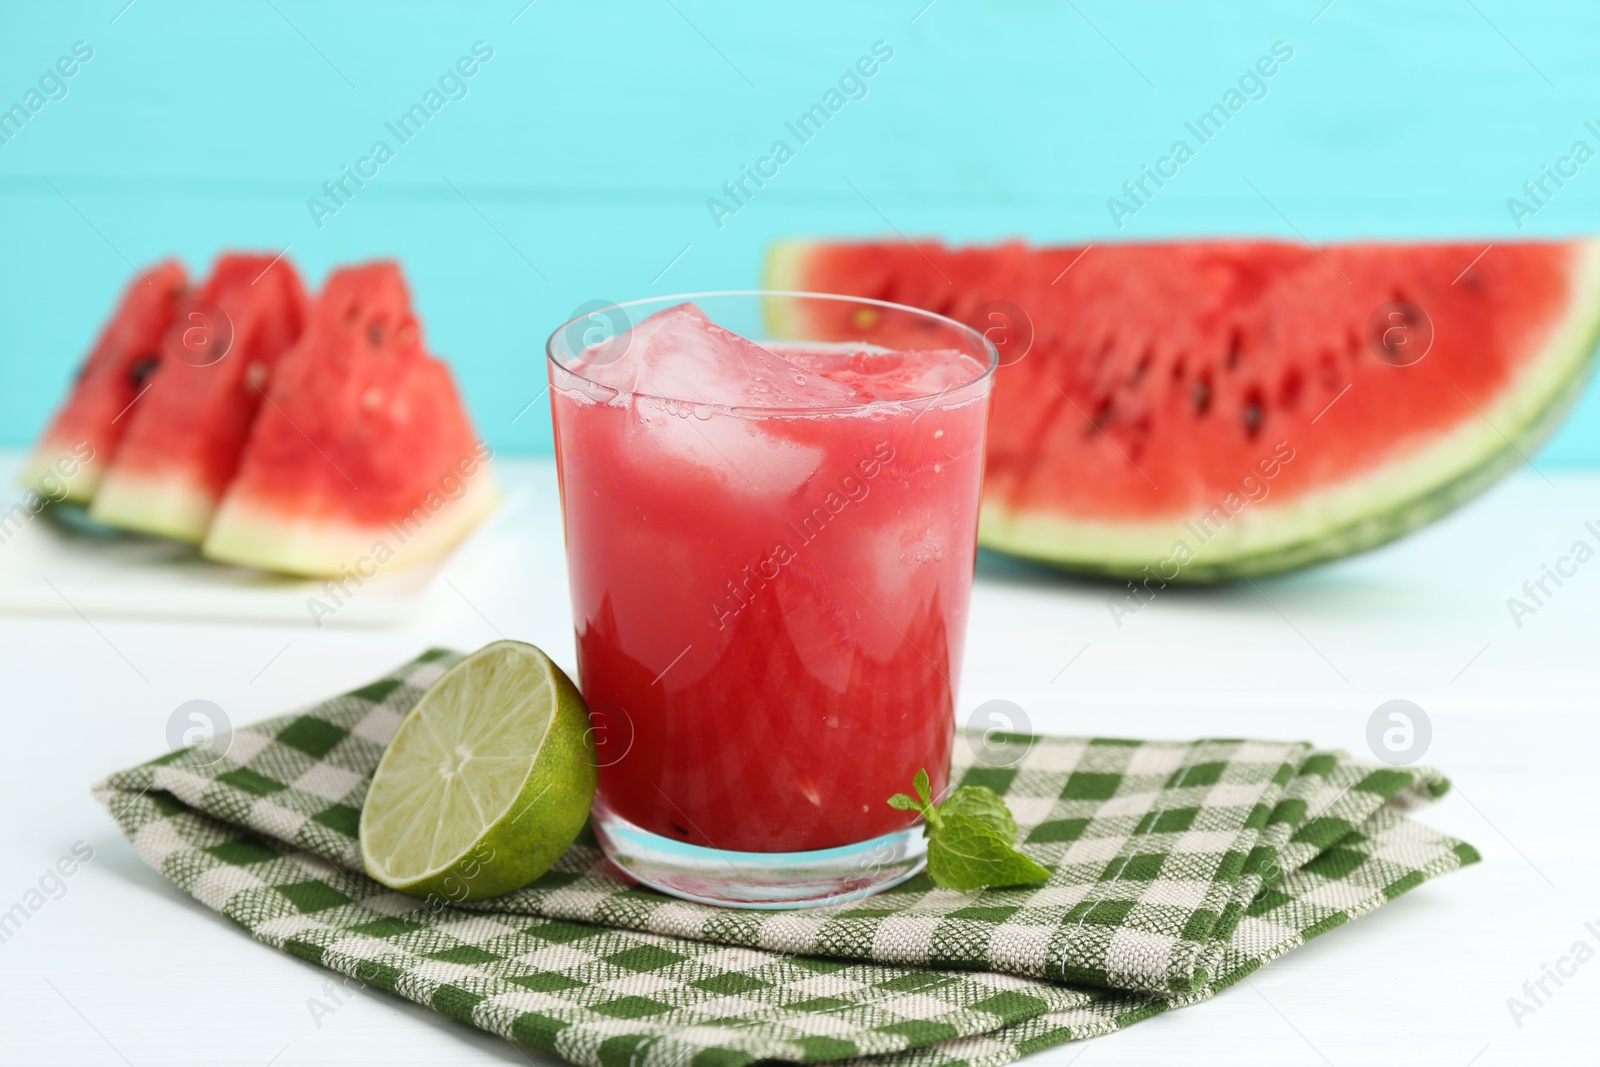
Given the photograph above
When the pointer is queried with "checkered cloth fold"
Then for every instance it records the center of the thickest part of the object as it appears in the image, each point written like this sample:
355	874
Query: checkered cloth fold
1179	868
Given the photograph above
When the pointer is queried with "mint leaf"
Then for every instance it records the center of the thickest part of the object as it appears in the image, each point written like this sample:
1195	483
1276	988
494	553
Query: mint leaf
968	854
969	838
985	805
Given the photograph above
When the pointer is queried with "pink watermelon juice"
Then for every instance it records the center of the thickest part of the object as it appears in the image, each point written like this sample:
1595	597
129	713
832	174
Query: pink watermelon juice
771	550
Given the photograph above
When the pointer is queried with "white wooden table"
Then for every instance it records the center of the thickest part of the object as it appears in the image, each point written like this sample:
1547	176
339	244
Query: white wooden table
123	968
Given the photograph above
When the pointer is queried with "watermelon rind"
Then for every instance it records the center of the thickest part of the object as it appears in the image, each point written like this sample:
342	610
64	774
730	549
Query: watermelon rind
252	534
783	274
1351	516
42	472
161	507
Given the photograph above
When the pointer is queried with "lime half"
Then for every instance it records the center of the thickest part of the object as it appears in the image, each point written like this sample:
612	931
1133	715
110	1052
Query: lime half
487	781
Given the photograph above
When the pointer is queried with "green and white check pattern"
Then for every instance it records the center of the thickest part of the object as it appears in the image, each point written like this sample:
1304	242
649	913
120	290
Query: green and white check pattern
1179	868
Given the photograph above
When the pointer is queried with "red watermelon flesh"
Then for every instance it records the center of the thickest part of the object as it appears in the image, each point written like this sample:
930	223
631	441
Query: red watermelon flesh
363	453
1207	409
185	437
70	458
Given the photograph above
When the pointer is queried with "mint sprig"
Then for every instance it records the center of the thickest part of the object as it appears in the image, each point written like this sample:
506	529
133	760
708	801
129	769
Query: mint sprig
970	838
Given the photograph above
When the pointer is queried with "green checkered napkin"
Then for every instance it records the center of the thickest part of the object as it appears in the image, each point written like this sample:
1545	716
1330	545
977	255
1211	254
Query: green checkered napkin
1180	867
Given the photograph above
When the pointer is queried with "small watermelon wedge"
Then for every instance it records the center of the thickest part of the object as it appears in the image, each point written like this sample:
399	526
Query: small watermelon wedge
71	457
1206	410
362	453
185	437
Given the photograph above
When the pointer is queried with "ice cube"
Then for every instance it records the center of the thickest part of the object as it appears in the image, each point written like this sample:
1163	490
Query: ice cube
679	354
740	453
874	373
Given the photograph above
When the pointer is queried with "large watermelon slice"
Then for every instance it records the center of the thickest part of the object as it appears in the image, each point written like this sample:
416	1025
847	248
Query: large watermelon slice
1205	410
70	459
363	453
184	438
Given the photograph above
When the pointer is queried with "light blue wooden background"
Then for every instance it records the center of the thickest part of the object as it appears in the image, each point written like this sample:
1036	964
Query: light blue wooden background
579	163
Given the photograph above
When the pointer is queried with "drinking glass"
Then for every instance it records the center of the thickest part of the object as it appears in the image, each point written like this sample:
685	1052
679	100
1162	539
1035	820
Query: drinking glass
770	603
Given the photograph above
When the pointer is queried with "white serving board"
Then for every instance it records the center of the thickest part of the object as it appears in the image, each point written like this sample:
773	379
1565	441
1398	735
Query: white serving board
58	562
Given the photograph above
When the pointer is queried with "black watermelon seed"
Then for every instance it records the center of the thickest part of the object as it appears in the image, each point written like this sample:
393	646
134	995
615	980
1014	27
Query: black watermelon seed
1252	418
1200	396
141	369
1142	367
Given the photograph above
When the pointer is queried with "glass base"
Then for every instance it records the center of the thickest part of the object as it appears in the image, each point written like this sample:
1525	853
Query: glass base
768	880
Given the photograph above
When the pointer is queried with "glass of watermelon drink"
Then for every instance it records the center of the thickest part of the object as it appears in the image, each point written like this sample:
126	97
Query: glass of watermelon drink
770	531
